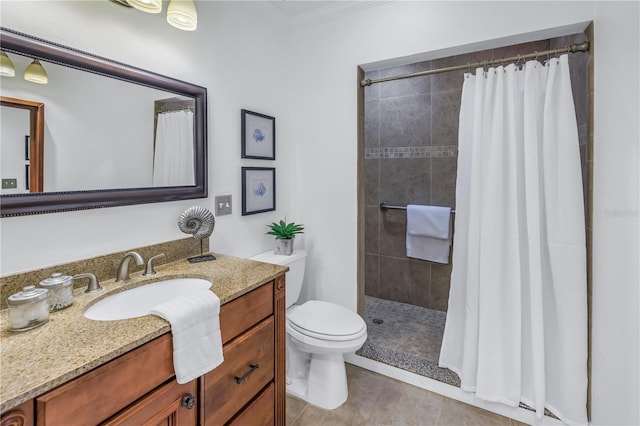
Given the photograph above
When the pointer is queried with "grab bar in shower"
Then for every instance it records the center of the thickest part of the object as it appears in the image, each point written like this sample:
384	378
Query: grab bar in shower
384	206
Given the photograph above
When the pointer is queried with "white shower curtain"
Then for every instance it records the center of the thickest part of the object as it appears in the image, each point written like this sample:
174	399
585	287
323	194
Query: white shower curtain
173	160
516	327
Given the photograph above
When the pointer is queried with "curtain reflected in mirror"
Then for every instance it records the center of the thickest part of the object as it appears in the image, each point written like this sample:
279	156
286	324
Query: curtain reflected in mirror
173	162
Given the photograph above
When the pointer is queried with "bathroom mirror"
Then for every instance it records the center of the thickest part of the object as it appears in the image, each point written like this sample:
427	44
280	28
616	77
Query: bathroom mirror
104	127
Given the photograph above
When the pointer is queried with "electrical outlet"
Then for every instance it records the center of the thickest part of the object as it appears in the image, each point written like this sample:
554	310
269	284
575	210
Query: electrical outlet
223	204
9	183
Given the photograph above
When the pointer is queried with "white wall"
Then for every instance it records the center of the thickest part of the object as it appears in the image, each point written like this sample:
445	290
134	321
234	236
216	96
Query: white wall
14	123
616	277
323	125
239	53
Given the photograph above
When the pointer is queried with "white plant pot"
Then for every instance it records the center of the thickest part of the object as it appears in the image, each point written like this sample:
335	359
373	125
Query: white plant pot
283	247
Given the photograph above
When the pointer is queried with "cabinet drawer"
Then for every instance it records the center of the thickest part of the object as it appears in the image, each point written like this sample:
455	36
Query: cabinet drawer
235	382
259	412
243	313
101	393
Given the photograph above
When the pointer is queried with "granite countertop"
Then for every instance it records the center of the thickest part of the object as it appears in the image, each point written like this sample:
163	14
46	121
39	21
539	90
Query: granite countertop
68	345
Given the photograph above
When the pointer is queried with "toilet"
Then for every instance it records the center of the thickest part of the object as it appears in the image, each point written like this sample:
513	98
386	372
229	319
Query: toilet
318	335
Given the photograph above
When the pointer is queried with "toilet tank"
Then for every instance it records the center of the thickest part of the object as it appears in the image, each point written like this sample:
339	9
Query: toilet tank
296	263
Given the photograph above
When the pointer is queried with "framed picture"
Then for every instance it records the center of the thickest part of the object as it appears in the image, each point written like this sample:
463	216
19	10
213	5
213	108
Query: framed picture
258	136
258	190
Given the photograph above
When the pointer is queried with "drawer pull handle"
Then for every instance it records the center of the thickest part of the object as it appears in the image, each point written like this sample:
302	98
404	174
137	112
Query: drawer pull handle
253	368
188	401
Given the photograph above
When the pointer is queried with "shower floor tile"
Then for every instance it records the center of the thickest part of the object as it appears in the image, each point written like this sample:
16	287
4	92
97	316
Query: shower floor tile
409	337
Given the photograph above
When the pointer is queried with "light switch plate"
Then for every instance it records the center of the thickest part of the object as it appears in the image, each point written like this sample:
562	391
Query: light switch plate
223	204
9	183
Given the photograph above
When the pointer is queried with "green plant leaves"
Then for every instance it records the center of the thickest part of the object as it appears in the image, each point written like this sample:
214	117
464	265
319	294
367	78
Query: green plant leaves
285	231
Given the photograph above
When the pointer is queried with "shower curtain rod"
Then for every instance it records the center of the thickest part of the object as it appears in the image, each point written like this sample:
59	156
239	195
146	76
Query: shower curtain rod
581	47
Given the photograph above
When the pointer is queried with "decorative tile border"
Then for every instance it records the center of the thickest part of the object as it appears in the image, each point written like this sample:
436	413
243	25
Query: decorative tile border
412	152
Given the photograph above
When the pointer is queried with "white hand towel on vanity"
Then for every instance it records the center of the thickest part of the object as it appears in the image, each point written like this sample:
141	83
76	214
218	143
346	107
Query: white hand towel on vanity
195	325
428	232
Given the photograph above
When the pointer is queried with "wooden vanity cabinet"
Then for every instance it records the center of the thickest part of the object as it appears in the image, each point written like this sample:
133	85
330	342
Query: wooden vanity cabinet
139	387
249	387
172	404
22	415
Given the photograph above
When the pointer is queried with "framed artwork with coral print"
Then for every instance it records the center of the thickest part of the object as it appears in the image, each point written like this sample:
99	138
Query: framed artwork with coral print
258	190
258	135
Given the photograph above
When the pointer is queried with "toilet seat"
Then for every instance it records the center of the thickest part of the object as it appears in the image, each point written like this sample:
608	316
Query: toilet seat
326	321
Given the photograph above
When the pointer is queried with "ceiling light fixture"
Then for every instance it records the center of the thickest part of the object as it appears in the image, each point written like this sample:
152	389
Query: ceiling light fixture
182	14
36	73
6	66
149	6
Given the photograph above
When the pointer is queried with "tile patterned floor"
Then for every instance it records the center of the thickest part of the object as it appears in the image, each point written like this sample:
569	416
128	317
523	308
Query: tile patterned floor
409	338
377	400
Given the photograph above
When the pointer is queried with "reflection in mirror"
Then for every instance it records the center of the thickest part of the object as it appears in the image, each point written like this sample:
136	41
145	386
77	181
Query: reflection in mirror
113	134
99	131
173	149
21	145
15	130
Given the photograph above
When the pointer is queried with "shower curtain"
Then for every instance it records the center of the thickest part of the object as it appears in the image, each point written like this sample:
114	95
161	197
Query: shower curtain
173	160
516	327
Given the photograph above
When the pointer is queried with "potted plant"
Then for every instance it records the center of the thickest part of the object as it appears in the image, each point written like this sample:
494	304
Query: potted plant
284	233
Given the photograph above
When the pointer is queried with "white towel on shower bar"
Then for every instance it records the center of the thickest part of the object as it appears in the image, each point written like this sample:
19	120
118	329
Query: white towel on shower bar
428	233
195	325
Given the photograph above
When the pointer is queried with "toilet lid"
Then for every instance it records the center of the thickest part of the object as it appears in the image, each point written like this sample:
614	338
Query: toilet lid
326	320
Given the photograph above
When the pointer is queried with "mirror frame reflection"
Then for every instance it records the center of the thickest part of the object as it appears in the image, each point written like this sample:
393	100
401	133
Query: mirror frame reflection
49	202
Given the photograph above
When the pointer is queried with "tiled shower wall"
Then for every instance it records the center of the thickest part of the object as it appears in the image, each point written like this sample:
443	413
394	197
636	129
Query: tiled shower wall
411	136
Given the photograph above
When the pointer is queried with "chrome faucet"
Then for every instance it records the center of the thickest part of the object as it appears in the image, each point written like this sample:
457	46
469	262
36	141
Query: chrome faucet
123	268
149	269
94	284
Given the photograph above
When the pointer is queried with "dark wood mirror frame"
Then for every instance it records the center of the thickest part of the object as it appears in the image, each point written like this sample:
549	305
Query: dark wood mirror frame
50	202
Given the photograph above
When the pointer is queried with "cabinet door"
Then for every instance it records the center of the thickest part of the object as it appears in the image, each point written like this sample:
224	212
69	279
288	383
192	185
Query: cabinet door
22	415
171	405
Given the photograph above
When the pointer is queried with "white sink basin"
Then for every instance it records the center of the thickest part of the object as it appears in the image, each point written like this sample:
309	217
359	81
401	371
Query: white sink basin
138	301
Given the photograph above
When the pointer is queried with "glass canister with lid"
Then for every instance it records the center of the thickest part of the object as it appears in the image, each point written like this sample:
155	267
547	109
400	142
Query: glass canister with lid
28	309
60	290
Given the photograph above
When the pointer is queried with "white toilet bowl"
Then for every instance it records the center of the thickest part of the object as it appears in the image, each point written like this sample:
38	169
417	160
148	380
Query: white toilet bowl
319	333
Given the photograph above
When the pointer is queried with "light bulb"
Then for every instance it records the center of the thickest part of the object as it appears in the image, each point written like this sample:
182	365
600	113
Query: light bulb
6	66
36	73
149	6
182	14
